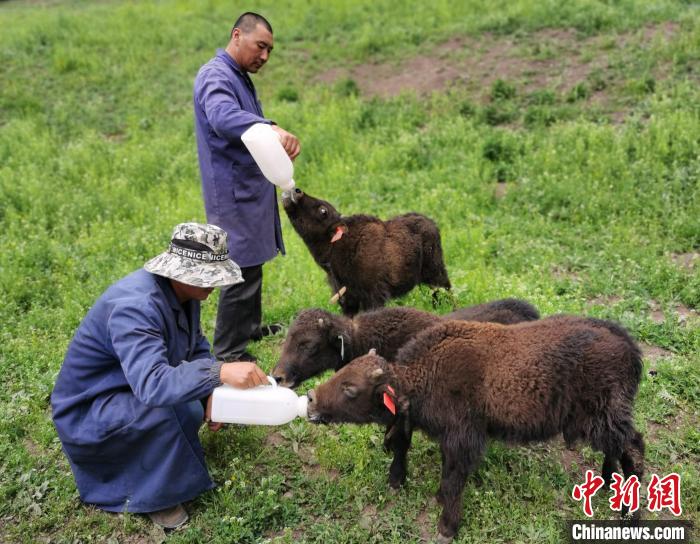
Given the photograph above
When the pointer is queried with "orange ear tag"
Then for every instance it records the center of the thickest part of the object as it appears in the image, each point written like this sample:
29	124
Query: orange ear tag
338	234
388	401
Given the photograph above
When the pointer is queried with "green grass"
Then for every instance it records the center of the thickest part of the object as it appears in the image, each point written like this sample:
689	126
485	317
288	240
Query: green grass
98	163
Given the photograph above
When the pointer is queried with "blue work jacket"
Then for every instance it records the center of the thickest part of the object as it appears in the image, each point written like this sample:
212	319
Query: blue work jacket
126	403
237	197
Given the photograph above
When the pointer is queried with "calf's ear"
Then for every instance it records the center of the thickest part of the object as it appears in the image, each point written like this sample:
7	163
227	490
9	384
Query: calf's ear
350	391
397	404
376	375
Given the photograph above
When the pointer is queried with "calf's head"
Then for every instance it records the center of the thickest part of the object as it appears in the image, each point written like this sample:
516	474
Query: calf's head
313	345
356	394
311	217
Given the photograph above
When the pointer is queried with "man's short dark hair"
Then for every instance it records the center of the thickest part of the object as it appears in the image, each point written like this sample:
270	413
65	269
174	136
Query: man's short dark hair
249	20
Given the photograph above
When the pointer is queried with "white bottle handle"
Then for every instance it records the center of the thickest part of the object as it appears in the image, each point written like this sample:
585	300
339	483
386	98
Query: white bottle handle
272	381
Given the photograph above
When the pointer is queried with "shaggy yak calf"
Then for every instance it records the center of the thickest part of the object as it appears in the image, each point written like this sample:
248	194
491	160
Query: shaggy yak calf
319	340
374	260
464	382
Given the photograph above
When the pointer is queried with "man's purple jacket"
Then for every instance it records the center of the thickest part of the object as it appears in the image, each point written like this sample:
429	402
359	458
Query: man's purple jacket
237	197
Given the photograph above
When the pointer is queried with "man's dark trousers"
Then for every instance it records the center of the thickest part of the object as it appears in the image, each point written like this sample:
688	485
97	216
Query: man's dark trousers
239	315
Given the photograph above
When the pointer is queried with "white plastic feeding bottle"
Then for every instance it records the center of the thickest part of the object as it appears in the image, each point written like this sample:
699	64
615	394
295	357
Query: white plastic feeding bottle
265	147
262	405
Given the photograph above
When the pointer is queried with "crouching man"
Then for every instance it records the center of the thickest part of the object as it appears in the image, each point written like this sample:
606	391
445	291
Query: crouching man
131	394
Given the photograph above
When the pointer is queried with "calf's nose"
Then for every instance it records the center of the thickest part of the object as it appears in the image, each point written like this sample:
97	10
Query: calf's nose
312	396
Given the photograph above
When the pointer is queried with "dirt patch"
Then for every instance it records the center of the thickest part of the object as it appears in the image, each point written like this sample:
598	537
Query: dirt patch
317	471
653	430
666	31
307	455
421	75
275	439
312	467
604	300
426	527
501	190
559	273
570	456
554	59
657	316
283	534
368	517
656	313
654	353
687	261
33	449
155	535
683	313
115	137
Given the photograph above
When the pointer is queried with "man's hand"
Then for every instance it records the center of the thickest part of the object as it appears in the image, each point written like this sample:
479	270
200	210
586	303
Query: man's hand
290	142
242	375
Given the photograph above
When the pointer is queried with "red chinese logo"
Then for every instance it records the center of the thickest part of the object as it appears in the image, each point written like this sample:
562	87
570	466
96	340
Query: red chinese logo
661	492
587	490
665	493
625	492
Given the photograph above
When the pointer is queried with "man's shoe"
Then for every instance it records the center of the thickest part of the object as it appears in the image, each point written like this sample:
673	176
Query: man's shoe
267	330
271	329
169	518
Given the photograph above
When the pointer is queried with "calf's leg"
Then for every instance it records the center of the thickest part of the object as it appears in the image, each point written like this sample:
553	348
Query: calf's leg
399	442
619	440
375	297
438	296
632	462
460	458
632	458
609	466
349	304
433	271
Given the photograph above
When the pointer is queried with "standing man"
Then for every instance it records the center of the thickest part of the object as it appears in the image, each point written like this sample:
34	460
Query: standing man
237	197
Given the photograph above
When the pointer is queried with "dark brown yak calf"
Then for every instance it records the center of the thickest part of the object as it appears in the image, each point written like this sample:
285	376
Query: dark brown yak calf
374	260
319	340
464	382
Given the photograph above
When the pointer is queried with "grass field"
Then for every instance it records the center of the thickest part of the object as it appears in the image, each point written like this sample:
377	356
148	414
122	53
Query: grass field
557	147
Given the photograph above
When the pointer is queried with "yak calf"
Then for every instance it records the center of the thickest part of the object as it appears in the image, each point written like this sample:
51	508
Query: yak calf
374	260
464	382
319	340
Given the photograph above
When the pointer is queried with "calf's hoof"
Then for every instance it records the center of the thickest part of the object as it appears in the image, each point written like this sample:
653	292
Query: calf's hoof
442	539
632	518
395	482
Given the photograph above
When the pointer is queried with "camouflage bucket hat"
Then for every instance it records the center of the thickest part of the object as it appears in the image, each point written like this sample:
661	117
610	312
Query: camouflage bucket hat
198	255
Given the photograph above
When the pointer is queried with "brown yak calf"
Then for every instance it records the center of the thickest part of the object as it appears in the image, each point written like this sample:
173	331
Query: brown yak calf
374	260
464	382
319	340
